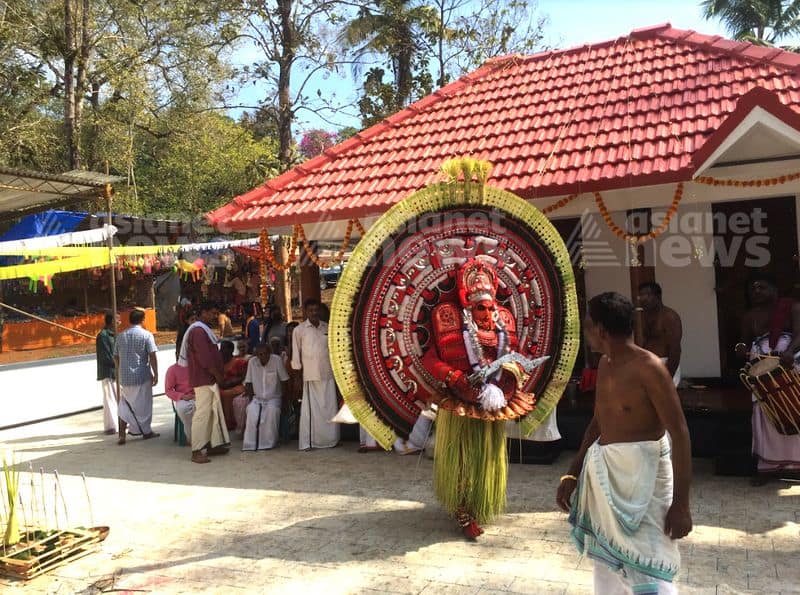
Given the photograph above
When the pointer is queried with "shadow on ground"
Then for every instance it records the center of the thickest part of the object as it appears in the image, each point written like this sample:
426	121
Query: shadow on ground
66	446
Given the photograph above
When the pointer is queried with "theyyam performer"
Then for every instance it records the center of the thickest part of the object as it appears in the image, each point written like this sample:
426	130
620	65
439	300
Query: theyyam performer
462	298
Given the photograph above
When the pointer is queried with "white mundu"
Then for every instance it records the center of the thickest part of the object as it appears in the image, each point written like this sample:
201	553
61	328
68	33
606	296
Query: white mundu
319	407
264	411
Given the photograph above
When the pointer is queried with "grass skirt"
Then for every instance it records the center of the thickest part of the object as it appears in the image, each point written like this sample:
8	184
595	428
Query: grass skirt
470	467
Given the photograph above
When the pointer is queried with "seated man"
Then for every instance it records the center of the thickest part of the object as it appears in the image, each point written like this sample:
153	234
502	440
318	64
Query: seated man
233	371
178	388
266	382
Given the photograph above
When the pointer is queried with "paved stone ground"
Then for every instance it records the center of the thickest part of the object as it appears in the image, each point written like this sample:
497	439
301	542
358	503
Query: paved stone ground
340	522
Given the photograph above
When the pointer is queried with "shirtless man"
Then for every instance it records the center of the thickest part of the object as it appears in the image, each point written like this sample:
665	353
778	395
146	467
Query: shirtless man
662	329
771	327
626	508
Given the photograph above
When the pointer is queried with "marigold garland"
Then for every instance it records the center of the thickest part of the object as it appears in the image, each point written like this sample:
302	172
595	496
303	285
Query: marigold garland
561	203
709	181
299	235
637	238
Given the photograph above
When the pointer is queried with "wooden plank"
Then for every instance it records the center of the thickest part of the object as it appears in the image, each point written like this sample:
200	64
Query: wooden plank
71	544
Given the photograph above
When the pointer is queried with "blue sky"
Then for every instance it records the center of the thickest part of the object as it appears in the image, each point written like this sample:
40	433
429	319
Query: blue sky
570	23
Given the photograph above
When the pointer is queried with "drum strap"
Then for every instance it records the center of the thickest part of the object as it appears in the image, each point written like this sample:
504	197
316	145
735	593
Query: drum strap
780	320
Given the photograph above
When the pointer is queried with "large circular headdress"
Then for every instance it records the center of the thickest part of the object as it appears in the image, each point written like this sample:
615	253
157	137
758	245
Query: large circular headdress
408	262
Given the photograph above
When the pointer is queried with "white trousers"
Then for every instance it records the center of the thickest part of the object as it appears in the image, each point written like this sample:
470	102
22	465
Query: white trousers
208	424
136	407
108	386
261	427
317	410
608	582
185	410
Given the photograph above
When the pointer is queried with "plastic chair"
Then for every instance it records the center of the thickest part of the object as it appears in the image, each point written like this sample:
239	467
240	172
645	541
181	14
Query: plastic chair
178	434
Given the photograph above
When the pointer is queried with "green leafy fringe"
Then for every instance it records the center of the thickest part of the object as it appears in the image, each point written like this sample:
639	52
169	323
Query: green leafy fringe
470	468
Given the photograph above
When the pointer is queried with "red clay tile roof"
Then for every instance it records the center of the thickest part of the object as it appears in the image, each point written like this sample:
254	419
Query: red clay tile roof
628	112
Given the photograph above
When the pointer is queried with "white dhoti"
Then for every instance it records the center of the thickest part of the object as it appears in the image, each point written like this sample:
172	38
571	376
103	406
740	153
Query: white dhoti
317	410
419	437
240	404
621	503
261	427
185	410
365	440
108	387
608	582
208	423
775	452
136	407
546	432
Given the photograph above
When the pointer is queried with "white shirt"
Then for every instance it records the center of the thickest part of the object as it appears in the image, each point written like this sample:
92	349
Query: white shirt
310	351
265	379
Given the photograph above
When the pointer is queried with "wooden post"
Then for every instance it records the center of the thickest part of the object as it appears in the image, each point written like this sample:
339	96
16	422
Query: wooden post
85	284
283	290
2	316
309	275
113	279
639	223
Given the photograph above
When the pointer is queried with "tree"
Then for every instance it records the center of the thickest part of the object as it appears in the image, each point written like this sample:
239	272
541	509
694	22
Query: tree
464	39
91	51
315	141
763	22
422	41
393	30
211	160
290	36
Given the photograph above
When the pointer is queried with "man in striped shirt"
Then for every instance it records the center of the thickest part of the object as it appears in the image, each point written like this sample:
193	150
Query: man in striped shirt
135	356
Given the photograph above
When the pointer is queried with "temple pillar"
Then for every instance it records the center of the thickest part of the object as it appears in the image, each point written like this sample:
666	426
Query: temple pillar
309	276
283	289
640	268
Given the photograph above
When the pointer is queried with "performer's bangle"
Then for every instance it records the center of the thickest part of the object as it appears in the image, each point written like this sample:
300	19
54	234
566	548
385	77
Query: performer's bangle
449	377
563	477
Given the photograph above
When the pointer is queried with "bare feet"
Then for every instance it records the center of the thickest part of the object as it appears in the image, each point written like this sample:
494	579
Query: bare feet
199	457
110	432
121	440
151	435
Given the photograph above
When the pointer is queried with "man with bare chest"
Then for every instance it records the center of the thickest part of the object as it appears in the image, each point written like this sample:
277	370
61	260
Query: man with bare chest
662	329
631	497
771	328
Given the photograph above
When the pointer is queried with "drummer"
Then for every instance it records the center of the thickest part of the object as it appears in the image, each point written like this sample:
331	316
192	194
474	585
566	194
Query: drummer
662	329
771	327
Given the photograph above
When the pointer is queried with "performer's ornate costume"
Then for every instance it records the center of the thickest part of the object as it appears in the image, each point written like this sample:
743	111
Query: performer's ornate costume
461	296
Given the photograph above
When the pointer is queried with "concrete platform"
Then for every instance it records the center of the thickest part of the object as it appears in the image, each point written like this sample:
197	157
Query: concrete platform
335	521
38	390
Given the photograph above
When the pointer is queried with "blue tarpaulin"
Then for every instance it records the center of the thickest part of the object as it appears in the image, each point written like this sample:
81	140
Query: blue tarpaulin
46	223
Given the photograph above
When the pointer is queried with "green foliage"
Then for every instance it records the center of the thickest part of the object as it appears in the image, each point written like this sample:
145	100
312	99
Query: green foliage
763	22
203	163
416	40
152	71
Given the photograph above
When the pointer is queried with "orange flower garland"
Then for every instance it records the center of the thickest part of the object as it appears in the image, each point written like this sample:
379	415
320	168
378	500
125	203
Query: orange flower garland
265	245
267	254
561	203
636	238
709	181
299	235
